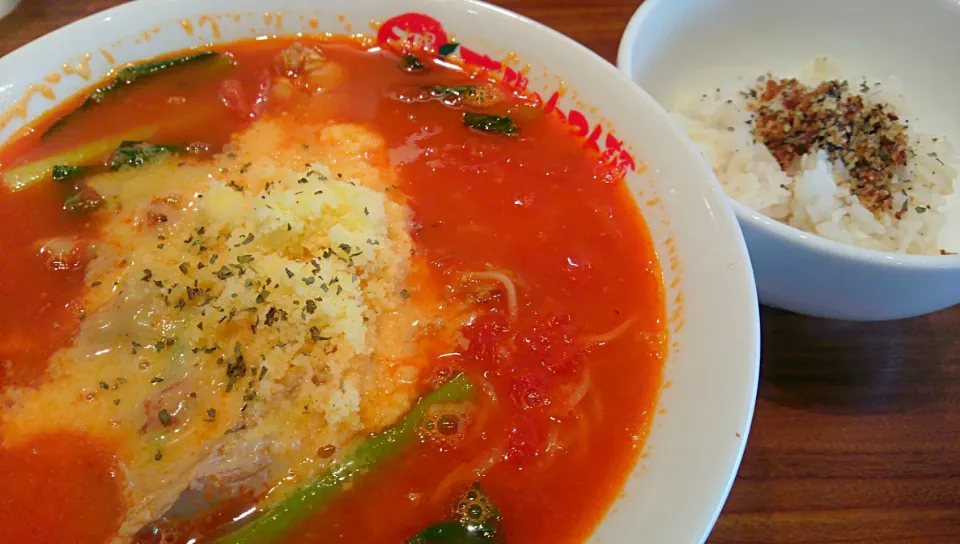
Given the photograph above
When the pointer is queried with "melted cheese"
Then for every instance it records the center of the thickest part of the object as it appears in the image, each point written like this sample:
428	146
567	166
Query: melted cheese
232	317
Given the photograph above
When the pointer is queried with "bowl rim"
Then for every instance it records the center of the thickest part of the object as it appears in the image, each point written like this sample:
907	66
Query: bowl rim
803	239
745	280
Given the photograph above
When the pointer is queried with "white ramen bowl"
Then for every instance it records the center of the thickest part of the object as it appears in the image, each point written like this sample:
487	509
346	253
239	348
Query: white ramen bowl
696	441
6	6
675	47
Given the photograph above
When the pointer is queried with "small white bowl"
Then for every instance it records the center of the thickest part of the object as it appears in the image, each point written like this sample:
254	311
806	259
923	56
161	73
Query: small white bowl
674	47
675	492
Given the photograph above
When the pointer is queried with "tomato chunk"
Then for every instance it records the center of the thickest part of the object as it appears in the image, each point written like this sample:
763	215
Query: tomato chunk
551	344
486	337
523	442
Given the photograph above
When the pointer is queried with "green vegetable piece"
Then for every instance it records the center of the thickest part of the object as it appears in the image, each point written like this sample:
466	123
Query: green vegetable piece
455	91
377	449
94	97
474	96
63	172
450	532
490	123
135	72
442	92
135	154
132	73
83	200
410	63
22	177
448	48
477	521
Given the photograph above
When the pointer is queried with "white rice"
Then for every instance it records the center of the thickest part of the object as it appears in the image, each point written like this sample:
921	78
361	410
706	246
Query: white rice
817	198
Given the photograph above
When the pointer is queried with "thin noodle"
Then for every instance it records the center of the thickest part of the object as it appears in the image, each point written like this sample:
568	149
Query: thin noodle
575	397
553	446
596	409
508	285
553	438
465	473
580	435
604	338
495	457
581	390
487	388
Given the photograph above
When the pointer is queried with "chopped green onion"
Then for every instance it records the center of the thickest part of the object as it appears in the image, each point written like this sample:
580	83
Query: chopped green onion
490	123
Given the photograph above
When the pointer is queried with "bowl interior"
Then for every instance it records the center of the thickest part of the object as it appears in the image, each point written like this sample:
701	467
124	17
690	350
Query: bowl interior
698	436
677	47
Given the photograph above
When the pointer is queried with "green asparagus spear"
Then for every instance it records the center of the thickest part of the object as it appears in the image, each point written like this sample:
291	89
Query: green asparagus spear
293	510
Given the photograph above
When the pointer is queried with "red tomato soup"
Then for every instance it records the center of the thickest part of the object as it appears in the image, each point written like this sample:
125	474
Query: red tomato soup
440	233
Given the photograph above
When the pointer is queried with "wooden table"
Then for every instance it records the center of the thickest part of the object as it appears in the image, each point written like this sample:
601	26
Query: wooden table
857	430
